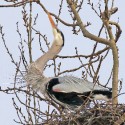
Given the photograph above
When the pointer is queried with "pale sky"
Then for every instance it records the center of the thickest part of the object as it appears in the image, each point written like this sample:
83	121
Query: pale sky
8	19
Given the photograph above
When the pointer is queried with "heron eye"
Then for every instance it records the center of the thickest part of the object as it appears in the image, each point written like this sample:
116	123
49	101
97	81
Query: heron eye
61	35
58	30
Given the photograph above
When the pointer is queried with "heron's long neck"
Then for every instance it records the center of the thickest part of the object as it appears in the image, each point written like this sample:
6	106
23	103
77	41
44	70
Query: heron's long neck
53	51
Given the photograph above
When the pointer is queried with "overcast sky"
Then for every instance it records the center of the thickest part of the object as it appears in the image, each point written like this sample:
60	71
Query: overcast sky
8	19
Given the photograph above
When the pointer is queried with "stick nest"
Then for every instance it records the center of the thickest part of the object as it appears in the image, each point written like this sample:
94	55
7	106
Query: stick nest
99	114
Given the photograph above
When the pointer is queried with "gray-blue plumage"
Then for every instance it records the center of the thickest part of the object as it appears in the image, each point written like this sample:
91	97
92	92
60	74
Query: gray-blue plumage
73	91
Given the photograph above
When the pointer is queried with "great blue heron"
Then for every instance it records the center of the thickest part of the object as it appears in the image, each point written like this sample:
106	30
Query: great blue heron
67	91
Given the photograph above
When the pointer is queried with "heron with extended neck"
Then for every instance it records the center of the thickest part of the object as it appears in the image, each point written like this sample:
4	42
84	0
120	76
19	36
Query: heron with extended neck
68	91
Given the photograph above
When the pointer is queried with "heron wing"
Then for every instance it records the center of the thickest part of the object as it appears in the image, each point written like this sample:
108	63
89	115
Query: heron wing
69	84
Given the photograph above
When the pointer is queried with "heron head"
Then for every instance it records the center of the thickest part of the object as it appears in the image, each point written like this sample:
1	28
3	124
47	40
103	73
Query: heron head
58	35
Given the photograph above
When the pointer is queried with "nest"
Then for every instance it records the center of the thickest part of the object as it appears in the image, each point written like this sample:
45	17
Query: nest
99	114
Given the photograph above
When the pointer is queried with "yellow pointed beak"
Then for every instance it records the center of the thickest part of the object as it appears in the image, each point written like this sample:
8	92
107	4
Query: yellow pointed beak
51	21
